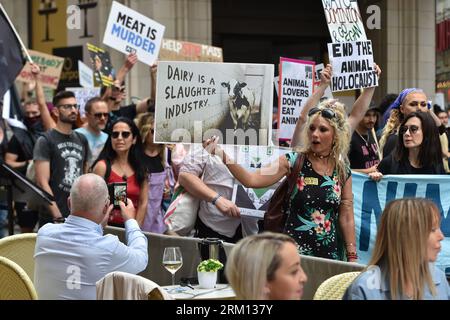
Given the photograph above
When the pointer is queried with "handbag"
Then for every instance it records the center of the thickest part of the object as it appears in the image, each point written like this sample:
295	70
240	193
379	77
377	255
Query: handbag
275	216
181	215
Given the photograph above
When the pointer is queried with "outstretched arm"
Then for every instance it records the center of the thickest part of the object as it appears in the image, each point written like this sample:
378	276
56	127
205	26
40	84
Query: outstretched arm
47	119
261	178
361	104
131	60
325	79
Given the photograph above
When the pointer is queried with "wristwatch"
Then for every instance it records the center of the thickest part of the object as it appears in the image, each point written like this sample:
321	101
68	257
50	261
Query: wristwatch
214	200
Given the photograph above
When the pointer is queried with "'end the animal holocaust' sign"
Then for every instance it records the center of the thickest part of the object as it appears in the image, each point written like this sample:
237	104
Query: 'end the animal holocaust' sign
129	31
196	100
353	66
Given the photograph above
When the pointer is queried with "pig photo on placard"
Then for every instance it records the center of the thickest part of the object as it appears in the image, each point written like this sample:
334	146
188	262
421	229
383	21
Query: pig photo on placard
198	100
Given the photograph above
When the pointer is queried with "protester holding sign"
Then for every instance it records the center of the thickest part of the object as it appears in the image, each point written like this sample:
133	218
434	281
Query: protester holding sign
320	208
417	151
408	101
359	108
401	269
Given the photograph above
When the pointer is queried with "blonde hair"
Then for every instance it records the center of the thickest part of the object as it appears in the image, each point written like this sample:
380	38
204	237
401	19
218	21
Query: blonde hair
253	262
341	140
391	126
145	122
401	245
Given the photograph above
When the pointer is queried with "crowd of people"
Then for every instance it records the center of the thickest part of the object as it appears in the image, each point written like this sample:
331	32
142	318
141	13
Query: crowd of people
115	145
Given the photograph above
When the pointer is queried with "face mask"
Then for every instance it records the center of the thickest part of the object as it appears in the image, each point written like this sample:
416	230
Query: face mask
31	122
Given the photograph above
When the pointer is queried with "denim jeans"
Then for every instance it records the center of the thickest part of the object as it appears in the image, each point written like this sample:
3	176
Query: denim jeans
3	219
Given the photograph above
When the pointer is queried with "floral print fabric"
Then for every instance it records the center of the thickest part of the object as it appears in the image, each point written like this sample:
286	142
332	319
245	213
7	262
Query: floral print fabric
313	212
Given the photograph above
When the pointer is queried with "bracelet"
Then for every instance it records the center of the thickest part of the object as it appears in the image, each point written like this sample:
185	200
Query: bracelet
214	200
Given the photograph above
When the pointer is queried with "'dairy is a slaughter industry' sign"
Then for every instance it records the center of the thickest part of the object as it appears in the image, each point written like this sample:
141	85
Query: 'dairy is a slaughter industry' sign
129	31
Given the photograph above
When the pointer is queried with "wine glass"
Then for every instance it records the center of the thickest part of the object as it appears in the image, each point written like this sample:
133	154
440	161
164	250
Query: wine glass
172	260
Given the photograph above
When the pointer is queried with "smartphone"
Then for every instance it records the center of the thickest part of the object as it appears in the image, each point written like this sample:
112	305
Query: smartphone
117	192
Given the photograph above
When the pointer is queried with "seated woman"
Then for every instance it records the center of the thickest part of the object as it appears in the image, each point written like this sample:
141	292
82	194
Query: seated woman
121	161
320	208
402	269
266	266
418	149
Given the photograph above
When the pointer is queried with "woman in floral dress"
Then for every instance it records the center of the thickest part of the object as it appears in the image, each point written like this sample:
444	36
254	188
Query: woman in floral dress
320	208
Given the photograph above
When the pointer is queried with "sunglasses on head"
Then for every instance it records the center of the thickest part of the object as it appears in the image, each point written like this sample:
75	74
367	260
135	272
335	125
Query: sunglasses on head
124	134
412	129
100	115
326	113
121	89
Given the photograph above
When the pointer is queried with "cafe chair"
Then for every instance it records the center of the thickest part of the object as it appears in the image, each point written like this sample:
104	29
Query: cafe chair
20	249
15	284
334	288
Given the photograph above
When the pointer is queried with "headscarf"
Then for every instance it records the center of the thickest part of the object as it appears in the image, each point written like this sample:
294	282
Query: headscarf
397	102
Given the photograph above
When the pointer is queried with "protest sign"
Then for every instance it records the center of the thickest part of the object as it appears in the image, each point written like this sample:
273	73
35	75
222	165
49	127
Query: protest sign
318	70
50	66
128	31
344	20
371	197
69	74
104	72
86	75
83	95
296	86
254	202
196	100
276	83
353	66
175	50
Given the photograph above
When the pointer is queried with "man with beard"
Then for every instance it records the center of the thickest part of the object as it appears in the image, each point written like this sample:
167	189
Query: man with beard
60	157
97	116
364	152
19	154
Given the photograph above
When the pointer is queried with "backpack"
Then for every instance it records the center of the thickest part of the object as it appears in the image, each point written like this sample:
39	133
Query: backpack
275	217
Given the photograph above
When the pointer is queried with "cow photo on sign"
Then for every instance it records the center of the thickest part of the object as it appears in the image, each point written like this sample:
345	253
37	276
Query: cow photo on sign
196	100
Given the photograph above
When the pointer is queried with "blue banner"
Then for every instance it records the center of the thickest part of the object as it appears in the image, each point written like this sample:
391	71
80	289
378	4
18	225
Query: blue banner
371	197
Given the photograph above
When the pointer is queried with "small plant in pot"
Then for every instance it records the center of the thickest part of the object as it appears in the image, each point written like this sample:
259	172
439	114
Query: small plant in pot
207	273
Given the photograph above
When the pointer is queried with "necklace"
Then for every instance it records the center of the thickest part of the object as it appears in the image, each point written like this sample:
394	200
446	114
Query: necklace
124	176
364	139
321	156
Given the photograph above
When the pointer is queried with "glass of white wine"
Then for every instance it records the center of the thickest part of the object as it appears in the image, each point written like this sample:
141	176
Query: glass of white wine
172	260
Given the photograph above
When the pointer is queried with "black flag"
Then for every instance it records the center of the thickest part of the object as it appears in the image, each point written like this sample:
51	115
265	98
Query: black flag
11	59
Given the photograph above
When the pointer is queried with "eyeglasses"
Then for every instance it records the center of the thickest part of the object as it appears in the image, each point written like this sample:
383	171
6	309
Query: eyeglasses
412	129
124	134
69	106
326	113
100	115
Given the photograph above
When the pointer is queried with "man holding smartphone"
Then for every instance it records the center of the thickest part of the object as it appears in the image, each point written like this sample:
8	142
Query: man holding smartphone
71	257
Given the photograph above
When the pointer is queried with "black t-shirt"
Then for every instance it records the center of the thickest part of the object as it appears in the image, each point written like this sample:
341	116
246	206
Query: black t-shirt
125	111
391	166
391	143
67	155
153	164
14	147
363	151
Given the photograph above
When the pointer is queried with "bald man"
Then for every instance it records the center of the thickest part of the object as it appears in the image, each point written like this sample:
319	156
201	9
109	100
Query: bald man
71	257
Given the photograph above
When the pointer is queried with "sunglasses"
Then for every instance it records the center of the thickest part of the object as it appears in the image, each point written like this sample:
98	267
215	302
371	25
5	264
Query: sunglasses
69	106
412	129
124	134
100	115
326	113
121	89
